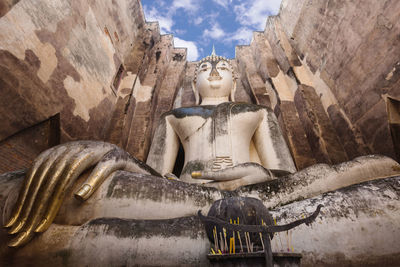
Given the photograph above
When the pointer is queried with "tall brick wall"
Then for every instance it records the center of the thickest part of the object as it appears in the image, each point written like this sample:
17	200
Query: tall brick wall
354	48
62	58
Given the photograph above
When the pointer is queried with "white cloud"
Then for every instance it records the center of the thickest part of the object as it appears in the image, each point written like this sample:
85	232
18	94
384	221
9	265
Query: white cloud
210	17
165	21
242	35
254	13
223	3
198	20
192	51
187	5
179	31
215	33
163	13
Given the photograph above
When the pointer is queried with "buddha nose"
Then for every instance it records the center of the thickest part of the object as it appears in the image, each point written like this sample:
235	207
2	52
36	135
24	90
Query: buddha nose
214	72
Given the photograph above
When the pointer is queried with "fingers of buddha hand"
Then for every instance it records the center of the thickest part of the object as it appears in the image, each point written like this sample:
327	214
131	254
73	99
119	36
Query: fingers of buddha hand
27	218
112	161
116	159
221	175
26	185
237	172
74	168
37	179
48	179
235	184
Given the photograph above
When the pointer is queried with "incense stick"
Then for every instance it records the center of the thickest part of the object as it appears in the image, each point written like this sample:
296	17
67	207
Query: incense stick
240	241
234	247
247	242
279	236
290	241
287	241
216	238
250	243
226	244
262	242
221	241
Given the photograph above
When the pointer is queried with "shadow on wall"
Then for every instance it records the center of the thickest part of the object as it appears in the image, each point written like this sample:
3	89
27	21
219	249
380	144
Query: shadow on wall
19	150
393	111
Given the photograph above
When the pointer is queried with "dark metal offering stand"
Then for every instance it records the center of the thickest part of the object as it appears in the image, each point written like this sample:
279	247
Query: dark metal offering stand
265	231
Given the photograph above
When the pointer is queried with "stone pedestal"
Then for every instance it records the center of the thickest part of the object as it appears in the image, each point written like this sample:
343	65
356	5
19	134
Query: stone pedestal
281	259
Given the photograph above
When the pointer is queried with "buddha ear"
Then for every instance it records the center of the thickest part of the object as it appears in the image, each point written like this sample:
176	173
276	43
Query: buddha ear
233	91
196	93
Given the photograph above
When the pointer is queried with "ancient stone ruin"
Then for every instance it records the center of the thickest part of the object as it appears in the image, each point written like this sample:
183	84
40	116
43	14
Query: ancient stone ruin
316	94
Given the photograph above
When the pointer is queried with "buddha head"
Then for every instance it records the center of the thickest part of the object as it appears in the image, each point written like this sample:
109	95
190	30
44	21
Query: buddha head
214	78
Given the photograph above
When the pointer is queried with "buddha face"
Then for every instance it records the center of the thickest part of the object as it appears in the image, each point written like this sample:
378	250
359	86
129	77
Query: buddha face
214	79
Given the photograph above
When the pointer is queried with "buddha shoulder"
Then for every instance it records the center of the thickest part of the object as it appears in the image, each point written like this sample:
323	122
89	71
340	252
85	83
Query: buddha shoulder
238	108
245	111
196	111
206	112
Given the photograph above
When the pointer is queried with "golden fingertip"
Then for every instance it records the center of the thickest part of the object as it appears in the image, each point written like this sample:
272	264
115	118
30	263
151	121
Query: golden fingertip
196	174
16	228
11	221
20	240
84	192
42	226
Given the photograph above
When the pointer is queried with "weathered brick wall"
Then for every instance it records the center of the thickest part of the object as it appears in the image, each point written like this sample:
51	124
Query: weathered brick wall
354	48
327	69
19	150
61	57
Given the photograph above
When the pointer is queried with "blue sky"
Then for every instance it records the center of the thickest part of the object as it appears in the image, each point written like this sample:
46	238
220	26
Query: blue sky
198	24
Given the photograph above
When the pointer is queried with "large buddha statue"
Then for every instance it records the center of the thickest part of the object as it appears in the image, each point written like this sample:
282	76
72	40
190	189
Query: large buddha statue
228	146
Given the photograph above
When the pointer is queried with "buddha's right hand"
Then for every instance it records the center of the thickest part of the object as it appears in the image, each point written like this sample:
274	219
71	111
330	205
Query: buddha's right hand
234	177
54	172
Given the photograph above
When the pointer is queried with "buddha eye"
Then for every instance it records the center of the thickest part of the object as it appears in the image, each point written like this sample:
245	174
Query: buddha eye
203	67
222	66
